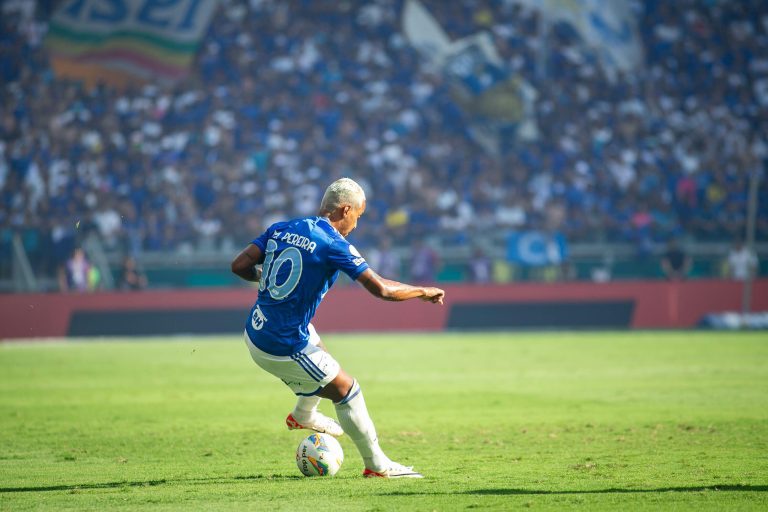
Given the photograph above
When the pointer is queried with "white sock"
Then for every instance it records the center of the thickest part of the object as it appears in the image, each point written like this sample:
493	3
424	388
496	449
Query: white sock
357	424
306	406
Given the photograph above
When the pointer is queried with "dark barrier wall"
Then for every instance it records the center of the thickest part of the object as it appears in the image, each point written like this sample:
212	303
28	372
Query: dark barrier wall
630	304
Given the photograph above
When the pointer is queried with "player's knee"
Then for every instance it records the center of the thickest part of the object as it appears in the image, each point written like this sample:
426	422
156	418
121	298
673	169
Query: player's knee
338	388
353	391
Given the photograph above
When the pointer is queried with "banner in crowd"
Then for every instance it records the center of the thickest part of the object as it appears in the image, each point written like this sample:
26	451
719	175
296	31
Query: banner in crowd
424	32
609	28
497	103
121	41
536	248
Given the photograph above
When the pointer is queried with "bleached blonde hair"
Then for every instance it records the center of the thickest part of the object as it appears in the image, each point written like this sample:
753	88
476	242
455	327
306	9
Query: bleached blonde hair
342	192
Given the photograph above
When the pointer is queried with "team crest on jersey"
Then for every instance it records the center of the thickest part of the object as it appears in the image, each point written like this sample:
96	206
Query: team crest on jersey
359	260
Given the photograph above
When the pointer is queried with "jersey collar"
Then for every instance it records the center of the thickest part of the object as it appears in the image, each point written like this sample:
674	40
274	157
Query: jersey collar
323	218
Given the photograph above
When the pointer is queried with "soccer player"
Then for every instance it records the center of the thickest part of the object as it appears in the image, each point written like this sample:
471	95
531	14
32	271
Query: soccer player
300	260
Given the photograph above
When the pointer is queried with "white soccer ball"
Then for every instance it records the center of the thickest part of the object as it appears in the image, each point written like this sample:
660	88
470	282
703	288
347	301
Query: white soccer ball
319	455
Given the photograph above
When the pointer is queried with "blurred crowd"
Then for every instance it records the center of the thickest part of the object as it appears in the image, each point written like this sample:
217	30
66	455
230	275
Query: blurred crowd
287	95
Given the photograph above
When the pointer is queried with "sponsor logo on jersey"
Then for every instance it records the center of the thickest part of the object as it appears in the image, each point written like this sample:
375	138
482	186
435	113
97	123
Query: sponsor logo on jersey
258	319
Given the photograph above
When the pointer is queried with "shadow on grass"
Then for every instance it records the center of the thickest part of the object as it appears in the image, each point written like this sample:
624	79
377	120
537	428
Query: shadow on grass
530	492
700	488
473	492
149	483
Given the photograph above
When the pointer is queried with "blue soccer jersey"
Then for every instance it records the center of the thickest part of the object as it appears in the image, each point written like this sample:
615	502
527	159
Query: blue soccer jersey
302	259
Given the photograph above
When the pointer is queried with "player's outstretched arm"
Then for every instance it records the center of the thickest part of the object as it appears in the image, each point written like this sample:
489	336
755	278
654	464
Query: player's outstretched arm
386	289
244	264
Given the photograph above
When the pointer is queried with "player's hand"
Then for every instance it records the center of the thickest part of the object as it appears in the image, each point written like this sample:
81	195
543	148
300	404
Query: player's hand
433	295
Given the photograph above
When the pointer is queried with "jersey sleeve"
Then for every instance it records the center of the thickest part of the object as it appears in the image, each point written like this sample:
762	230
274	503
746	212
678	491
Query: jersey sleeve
344	256
261	240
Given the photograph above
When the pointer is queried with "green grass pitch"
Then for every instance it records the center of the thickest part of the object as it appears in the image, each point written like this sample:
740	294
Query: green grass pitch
592	421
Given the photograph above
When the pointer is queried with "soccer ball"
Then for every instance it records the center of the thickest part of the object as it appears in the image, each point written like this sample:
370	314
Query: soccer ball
319	455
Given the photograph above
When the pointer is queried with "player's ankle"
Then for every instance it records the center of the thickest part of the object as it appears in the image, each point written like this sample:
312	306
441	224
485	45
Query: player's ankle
302	416
377	462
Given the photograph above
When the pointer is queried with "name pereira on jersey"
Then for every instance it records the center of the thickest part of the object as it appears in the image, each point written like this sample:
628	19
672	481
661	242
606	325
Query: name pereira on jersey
299	241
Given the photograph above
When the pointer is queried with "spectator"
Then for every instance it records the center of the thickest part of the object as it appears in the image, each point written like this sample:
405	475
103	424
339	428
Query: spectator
386	260
480	267
424	262
78	274
132	277
742	262
675	263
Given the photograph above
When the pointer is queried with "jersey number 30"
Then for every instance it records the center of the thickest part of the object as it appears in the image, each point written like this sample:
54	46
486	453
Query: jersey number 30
272	267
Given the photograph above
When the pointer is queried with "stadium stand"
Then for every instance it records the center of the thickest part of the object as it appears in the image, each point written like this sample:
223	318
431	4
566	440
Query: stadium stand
288	95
